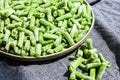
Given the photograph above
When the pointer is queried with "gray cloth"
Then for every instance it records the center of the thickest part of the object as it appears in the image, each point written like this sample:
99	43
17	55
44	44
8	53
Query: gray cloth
106	39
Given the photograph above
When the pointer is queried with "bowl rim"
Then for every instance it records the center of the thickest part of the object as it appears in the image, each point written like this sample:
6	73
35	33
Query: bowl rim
51	56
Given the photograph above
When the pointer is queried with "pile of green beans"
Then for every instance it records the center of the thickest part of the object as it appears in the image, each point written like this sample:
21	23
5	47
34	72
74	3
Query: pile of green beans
88	60
42	27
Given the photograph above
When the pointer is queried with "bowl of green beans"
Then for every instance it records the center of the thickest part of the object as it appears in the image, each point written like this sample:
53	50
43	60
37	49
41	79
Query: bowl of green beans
34	30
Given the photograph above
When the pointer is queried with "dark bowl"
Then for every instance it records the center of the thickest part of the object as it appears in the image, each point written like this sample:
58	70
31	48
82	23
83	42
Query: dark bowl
55	55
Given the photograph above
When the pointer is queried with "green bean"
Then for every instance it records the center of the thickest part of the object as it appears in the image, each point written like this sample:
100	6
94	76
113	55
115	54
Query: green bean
61	4
23	53
64	25
96	61
73	76
46	23
103	59
19	7
32	23
101	71
82	76
21	13
6	35
68	37
47	42
58	41
93	73
73	31
89	17
63	17
61	12
32	51
32	39
7	21
1	4
17	50
58	48
46	47
60	23
75	64
27	45
50	51
50	36
1	35
55	14
49	15
70	24
14	43
89	43
93	65
83	67
15	18
38	50
16	3
24	30
36	33
21	39
77	23
73	10
7	46
54	30
31	12
6	4
2	26
79	53
14	33
39	15
14	25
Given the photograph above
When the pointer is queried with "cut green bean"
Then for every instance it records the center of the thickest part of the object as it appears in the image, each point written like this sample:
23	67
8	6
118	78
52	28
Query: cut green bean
50	36
93	73
63	17
93	65
58	48
73	76
6	36
21	39
32	51
32	39
58	41
38	50
27	45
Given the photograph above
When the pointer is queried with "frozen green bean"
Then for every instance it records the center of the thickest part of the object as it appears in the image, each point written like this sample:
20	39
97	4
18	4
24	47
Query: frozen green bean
64	17
38	50
50	36
6	35
21	39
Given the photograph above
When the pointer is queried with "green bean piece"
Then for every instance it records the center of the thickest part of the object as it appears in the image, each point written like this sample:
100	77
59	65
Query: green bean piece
47	42
21	39
73	31
46	47
37	23
32	51
96	61
14	25
17	50
32	39
58	41
72	76
6	4
14	33
74	64
74	10
14	43
19	7
31	12
68	37
21	13
32	23
54	30
14	3
46	23
50	51
6	35
7	21
2	26
63	17
61	12
38	50
36	33
1	35
24	30
58	48
77	23
89	14
93	73
41	38
50	36
83	67
61	4
49	15
93	65
27	45
23	53
104	60
1	4
89	43
7	46
101	71
55	14
79	75
60	23
79	53
15	18
64	25
70	24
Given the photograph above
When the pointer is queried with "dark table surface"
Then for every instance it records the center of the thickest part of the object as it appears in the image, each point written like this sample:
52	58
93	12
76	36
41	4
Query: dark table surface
106	38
